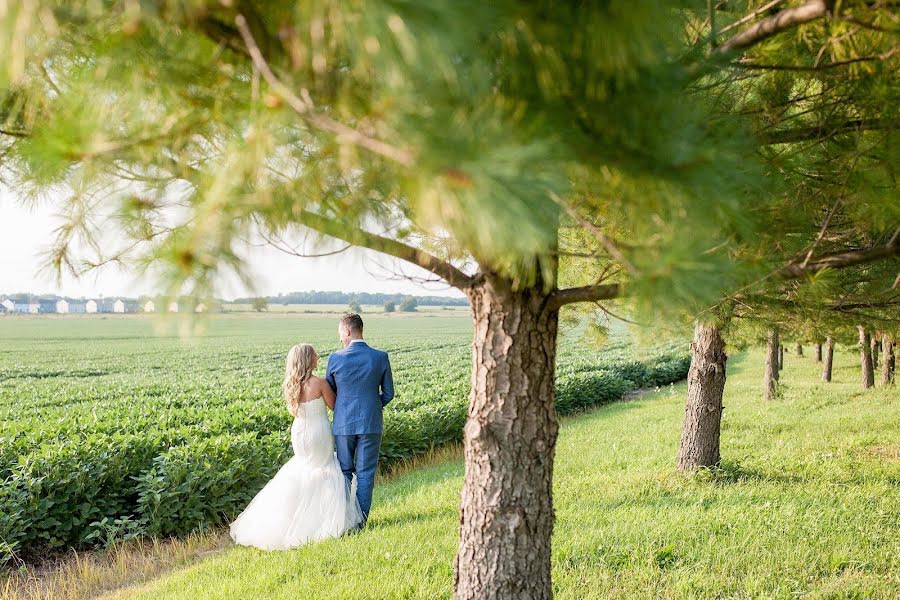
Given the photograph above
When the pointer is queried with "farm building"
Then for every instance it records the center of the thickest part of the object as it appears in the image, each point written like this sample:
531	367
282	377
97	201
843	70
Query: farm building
46	306
118	306
90	306
26	307
149	306
62	306
200	308
106	306
173	307
8	305
77	307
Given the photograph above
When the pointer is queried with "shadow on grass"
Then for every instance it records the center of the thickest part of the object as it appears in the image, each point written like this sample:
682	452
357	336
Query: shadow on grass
405	518
730	472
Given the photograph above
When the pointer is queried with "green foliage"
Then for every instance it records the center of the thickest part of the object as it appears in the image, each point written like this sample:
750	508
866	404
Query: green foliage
355	307
260	304
102	453
409	305
389	307
462	122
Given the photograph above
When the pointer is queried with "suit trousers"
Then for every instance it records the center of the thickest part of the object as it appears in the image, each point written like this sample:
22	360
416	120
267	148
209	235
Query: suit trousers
359	454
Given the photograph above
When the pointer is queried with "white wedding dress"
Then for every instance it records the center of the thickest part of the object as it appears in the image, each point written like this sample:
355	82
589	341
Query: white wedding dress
308	499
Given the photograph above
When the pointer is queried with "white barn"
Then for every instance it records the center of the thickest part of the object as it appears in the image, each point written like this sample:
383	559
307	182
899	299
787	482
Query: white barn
173	307
8	304
90	306
62	306
118	306
149	306
77	307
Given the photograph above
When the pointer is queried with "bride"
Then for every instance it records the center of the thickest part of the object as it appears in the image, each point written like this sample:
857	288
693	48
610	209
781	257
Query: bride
308	499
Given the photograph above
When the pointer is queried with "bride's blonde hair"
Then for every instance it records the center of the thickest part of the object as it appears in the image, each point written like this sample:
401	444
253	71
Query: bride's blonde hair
297	372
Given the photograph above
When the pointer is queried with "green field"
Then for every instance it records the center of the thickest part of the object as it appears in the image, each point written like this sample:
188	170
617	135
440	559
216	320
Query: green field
807	505
114	427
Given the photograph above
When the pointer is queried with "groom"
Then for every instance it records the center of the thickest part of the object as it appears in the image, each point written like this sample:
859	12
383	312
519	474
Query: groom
361	378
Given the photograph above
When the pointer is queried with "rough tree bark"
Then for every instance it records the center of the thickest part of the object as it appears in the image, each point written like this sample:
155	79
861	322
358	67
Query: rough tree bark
875	344
893	360
828	360
887	354
818	352
780	357
799	349
865	358
703	409
506	516
770	380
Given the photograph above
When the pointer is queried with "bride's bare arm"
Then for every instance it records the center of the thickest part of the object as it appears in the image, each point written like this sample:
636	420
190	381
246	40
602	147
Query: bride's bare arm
327	393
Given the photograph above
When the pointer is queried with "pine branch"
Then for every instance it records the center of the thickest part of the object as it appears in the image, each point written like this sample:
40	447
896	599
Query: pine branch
841	260
604	239
365	239
752	15
587	293
303	105
804	134
781	21
812	68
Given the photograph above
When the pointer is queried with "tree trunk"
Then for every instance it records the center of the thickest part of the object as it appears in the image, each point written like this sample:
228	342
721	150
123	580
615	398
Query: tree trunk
506	514
799	349
780	357
874	345
828	361
703	409
865	358
893	360
887	354
818	352
770	381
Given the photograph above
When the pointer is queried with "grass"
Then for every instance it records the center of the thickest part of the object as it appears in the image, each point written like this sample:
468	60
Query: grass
806	504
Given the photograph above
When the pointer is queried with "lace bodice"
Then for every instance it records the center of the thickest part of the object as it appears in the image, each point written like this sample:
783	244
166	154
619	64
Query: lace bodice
311	435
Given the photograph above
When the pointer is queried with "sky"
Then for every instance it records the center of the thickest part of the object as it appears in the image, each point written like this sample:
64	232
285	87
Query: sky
27	232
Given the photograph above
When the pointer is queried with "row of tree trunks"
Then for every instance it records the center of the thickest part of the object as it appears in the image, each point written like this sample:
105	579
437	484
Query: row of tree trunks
770	378
828	360
703	408
865	358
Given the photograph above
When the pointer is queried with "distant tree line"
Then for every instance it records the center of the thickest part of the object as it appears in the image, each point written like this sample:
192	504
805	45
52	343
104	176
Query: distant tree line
363	298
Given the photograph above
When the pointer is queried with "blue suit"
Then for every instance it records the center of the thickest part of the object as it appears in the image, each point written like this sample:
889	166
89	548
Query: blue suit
361	378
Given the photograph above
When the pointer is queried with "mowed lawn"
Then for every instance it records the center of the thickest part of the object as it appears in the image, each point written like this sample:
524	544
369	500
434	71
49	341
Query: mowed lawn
807	504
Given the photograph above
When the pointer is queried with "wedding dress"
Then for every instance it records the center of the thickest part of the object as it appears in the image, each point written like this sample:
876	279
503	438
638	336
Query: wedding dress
308	499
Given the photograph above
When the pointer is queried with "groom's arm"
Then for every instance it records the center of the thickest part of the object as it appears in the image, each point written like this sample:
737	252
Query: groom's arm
329	374
387	383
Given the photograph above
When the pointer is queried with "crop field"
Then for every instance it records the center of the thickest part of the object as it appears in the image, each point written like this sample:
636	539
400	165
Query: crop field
115	427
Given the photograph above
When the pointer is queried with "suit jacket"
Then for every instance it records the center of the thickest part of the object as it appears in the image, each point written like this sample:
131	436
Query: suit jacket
361	378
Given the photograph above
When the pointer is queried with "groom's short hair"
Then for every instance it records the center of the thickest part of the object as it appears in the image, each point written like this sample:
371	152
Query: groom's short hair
353	322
